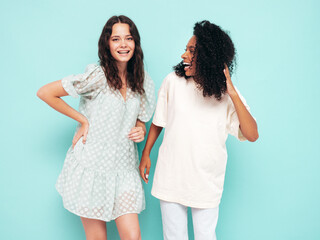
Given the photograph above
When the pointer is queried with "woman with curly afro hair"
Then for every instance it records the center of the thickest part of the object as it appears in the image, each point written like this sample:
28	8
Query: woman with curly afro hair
198	106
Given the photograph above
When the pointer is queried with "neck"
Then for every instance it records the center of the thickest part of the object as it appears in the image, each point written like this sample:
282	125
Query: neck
122	69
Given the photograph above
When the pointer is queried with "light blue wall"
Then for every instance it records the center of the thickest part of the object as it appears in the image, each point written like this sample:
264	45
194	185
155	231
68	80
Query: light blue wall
272	186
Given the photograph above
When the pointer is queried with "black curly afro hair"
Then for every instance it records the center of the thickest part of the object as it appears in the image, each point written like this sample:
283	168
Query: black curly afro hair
214	48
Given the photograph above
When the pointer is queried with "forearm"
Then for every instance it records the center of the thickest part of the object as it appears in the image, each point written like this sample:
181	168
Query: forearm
143	125
51	94
154	133
61	106
248	125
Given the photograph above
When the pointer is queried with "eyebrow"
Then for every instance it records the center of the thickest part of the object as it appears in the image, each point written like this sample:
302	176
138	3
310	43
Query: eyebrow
119	36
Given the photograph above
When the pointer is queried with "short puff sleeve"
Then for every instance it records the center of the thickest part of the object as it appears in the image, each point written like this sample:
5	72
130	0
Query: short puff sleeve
87	84
147	100
160	115
233	123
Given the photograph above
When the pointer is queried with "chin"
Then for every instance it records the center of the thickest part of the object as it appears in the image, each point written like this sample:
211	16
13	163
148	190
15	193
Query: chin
124	60
189	74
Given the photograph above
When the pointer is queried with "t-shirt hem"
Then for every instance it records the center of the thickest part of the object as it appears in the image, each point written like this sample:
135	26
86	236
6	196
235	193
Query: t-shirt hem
184	202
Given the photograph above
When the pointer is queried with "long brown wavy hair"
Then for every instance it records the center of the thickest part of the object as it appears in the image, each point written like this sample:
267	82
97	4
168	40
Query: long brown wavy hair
135	70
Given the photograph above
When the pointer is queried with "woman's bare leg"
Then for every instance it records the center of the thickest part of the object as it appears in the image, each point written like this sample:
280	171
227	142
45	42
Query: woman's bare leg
128	227
94	229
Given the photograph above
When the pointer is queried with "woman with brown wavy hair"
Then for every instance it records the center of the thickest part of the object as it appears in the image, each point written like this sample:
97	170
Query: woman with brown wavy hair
100	179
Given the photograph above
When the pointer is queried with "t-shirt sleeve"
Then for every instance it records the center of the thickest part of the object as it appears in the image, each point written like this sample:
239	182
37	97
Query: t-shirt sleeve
233	123
148	100
87	84
160	115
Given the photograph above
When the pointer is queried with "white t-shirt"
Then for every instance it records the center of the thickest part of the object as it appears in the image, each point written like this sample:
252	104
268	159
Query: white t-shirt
192	157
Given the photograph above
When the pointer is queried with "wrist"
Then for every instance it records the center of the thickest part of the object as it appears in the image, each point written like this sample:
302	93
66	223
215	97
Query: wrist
83	120
232	93
146	152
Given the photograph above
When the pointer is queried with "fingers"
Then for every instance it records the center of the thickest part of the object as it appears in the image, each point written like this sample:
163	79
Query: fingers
135	130
136	134
226	67
82	132
226	71
146	175
84	139
142	168
145	165
137	139
76	139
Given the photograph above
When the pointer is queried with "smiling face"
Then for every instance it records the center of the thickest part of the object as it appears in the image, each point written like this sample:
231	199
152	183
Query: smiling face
189	58
121	43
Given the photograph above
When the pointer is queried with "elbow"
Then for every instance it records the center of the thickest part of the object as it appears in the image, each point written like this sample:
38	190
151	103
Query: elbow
41	93
253	137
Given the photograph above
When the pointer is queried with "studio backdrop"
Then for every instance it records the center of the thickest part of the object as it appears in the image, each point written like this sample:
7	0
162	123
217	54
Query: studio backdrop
271	188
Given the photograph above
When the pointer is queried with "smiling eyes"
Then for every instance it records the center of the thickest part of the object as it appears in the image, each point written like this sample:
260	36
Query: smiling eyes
118	39
191	50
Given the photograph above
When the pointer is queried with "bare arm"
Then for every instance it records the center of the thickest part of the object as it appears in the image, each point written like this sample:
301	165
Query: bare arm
142	125
145	162
248	125
51	94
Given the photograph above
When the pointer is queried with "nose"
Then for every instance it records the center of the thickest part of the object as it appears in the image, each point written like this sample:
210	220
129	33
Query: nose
123	44
184	56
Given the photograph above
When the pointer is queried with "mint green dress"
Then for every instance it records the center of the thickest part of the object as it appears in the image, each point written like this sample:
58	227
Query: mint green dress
100	179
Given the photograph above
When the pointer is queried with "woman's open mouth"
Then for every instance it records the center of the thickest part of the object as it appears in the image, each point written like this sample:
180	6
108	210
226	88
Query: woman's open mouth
187	66
123	53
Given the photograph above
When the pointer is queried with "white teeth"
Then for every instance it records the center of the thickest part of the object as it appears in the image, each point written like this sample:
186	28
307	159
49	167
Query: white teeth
186	64
123	52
